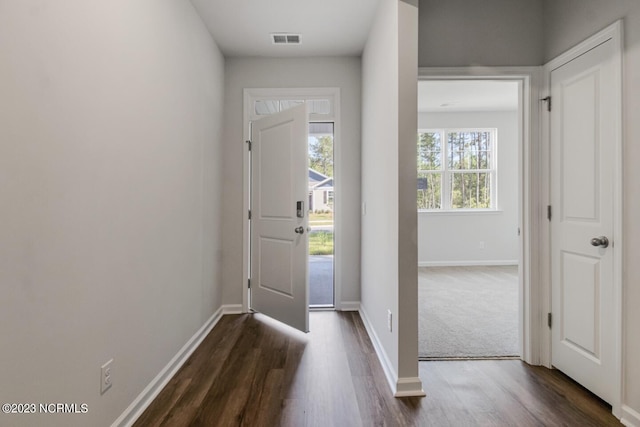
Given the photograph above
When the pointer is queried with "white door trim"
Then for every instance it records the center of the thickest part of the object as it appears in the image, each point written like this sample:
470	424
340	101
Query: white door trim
615	34
249	97
529	216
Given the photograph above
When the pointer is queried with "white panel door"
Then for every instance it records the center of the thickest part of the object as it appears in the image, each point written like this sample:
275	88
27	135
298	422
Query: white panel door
583	134
279	191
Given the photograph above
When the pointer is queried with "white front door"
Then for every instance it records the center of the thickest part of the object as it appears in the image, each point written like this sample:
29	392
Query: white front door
279	193
583	147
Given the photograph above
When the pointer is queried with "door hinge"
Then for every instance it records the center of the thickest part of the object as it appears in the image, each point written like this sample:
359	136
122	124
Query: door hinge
248	144
549	212
249	213
549	320
548	101
249	283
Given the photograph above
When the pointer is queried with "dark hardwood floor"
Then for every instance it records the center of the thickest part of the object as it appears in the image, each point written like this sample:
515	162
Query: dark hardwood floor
253	371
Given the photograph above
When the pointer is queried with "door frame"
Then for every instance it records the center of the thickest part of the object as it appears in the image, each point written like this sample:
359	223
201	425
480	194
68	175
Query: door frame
250	95
530	324
614	33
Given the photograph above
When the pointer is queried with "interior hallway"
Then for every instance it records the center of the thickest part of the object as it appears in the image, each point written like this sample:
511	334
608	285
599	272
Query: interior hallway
253	371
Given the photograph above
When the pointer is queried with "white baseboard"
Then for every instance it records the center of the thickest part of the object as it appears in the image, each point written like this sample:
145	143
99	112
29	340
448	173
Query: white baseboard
630	417
409	387
350	306
400	387
231	309
151	391
466	263
387	367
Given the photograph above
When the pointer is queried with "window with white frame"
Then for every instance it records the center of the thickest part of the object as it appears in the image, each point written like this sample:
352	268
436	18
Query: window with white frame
457	169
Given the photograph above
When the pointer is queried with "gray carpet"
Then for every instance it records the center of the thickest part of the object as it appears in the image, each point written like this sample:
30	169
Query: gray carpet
468	312
320	279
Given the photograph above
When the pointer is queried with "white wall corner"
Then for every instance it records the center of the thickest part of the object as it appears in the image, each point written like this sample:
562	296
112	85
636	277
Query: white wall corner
409	387
387	366
350	306
630	417
151	391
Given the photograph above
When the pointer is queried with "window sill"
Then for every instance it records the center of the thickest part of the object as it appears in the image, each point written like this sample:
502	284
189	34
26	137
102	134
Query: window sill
461	212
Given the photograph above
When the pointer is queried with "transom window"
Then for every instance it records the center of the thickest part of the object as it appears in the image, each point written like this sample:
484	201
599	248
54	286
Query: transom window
322	103
457	169
266	107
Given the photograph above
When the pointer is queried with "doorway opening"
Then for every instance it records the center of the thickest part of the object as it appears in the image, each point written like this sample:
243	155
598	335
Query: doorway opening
321	202
470	217
321	215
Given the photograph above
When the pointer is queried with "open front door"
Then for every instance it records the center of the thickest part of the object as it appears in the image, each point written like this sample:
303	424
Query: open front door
279	193
583	147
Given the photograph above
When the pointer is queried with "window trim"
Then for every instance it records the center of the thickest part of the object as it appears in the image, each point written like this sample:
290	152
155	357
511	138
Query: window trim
446	173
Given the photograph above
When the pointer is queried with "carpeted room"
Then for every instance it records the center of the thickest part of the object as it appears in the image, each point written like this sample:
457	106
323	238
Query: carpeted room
468	219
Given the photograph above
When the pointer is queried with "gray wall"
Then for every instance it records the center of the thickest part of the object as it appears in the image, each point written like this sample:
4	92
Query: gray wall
110	198
567	23
456	33
450	238
344	73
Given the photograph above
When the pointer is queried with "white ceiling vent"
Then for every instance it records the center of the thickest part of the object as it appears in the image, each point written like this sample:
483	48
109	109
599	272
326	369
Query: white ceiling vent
285	38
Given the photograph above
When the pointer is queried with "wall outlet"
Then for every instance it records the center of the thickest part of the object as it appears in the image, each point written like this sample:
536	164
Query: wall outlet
389	320
481	244
106	380
364	208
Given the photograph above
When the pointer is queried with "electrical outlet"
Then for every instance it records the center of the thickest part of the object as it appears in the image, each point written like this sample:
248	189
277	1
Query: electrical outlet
364	208
481	244
389	320
106	380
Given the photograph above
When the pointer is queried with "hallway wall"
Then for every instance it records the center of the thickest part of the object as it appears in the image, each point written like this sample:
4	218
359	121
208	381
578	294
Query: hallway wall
389	217
110	193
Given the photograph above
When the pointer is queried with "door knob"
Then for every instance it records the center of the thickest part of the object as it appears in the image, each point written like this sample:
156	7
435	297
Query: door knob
299	230
601	241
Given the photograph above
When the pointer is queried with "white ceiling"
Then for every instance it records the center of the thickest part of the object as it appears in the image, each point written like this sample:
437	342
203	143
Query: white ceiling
327	27
467	95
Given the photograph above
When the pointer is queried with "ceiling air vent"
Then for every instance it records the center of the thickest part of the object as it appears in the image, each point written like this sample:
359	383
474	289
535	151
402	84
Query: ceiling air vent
285	38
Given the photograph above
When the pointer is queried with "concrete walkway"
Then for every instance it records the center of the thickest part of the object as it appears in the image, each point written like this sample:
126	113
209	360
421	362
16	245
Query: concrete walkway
320	279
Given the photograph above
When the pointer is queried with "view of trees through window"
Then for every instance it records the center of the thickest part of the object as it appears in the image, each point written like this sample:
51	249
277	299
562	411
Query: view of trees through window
321	154
456	169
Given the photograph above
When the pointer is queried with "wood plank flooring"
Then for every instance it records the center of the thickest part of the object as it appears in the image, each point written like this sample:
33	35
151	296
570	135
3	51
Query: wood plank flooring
252	371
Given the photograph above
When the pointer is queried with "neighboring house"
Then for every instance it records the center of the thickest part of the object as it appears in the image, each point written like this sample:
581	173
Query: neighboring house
320	191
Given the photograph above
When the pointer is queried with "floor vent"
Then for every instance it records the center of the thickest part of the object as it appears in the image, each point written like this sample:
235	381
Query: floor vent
285	38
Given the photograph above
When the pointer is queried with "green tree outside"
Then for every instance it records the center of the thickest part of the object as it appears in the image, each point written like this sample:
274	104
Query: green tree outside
468	164
429	160
321	154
